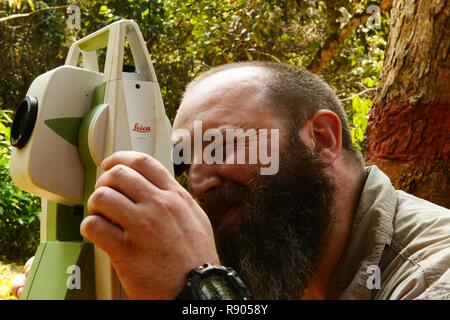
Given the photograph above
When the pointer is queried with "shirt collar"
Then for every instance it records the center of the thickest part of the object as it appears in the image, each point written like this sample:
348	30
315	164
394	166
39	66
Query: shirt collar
372	229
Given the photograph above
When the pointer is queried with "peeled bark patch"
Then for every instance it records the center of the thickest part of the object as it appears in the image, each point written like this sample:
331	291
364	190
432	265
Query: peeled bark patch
408	133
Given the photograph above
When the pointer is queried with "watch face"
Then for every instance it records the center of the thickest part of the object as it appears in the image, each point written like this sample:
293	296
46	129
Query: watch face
216	287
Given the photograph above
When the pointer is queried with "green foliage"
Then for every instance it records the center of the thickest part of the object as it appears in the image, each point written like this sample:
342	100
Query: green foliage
19	211
7	273
360	111
189	36
355	74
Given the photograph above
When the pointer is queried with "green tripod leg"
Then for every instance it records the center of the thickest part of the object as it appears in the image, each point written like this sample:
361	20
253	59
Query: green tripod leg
63	266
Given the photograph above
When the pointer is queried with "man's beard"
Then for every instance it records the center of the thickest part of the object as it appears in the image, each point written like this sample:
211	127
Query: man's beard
275	241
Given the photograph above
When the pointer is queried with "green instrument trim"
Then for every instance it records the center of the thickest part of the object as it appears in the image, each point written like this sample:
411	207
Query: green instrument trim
69	128
90	175
29	284
66	128
83	131
49	275
95	43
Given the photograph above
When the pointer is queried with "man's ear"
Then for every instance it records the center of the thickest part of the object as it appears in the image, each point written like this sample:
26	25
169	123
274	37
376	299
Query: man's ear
322	133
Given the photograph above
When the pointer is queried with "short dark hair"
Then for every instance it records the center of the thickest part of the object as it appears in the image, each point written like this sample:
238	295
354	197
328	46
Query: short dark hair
296	94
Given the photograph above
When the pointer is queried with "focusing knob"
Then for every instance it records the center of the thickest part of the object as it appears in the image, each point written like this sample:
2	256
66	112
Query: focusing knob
24	121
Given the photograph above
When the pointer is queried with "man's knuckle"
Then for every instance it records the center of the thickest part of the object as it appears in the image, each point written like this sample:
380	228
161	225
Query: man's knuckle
98	197
117	171
141	159
102	193
146	221
183	194
89	225
165	204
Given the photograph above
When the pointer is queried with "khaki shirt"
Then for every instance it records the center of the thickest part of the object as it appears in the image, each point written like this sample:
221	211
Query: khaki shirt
399	247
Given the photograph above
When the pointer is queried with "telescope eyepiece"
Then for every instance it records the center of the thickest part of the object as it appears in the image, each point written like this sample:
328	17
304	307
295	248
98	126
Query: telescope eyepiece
177	166
24	121
179	169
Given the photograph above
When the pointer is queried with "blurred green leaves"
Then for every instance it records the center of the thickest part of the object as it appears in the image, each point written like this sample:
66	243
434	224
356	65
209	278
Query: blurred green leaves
189	36
359	120
19	211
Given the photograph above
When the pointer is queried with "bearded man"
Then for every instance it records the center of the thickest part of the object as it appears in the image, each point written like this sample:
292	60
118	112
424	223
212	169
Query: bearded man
324	226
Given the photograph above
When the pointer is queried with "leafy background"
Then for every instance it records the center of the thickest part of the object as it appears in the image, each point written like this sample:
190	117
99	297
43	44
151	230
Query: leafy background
184	37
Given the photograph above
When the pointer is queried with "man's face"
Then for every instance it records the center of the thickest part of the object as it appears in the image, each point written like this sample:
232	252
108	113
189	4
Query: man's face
269	228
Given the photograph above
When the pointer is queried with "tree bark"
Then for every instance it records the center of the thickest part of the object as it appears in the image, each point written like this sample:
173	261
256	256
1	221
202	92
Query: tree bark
408	134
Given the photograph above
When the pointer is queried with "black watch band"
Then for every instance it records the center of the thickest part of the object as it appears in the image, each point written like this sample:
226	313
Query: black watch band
212	282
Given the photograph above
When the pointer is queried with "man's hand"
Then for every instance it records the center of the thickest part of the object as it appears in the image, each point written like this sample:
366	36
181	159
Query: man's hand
149	225
18	281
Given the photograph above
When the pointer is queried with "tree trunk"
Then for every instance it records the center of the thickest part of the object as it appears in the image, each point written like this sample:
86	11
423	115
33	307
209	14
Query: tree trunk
408	134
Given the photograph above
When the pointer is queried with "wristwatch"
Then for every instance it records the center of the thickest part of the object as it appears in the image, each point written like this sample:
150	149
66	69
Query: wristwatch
212	282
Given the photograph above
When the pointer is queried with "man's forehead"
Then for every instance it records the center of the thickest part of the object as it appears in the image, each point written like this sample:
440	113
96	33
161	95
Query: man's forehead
245	75
225	91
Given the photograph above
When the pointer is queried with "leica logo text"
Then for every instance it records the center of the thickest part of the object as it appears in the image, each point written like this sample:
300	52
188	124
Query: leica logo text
140	128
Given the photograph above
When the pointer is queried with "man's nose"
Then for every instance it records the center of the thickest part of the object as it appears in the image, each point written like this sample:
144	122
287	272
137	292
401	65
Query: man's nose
202	179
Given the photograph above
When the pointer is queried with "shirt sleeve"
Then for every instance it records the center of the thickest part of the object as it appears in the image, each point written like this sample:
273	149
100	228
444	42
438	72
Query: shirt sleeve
438	290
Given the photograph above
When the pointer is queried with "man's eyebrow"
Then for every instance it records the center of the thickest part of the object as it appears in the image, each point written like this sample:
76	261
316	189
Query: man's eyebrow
223	129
